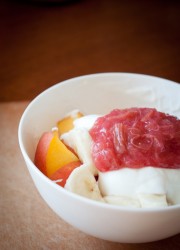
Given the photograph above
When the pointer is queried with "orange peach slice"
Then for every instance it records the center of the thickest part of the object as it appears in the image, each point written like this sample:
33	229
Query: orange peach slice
66	123
52	154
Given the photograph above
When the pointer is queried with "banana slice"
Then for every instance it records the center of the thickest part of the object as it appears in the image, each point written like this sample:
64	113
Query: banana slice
82	182
122	201
153	200
80	140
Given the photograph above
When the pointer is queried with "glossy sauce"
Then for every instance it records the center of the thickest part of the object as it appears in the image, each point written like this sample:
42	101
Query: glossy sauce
136	138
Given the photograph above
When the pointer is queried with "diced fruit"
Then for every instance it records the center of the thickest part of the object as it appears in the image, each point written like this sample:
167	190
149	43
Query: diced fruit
52	154
41	151
62	174
66	123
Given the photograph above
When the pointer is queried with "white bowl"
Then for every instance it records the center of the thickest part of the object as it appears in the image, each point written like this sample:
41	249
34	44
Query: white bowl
100	93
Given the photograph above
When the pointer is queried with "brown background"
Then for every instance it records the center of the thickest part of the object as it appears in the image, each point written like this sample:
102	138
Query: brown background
44	43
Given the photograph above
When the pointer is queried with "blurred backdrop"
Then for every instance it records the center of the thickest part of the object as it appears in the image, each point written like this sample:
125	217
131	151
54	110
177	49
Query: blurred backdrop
45	42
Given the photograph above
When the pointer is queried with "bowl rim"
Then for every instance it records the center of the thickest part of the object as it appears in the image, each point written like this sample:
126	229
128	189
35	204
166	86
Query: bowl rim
61	189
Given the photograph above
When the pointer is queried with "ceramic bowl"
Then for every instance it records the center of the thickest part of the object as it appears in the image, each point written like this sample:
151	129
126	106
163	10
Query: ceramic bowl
100	93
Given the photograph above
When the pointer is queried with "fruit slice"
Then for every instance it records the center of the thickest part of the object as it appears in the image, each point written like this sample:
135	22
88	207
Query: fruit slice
41	151
52	154
83	182
62	174
66	123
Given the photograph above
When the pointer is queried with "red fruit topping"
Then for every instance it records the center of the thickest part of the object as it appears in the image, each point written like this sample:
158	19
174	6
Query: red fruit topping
135	138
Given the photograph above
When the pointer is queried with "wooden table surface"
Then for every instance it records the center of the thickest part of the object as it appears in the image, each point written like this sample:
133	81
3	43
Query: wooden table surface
44	43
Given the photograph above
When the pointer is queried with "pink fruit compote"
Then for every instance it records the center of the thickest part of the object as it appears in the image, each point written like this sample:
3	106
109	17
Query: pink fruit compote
135	138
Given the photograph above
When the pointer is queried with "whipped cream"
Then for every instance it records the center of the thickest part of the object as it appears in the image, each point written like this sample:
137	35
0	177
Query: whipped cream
143	187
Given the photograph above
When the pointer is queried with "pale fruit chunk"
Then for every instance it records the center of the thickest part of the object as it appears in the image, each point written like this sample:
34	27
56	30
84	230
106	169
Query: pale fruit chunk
80	141
83	182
